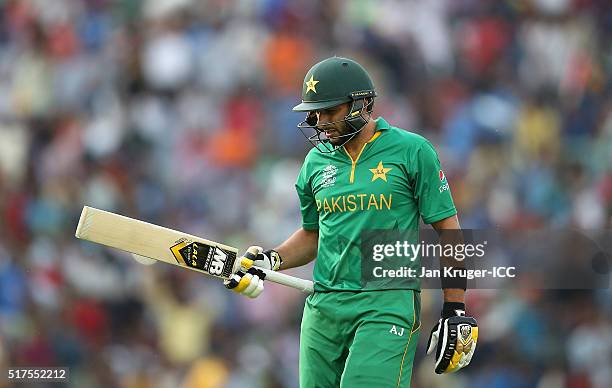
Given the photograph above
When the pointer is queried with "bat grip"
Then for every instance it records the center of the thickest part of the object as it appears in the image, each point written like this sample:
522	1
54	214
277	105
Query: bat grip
289	281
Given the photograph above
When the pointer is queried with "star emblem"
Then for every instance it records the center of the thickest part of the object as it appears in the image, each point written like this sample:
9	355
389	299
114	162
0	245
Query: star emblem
380	172
311	84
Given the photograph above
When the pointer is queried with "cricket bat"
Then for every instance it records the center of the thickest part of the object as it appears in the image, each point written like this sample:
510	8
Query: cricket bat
170	246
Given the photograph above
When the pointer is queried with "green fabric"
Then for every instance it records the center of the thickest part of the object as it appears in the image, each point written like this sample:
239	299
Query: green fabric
359	339
409	186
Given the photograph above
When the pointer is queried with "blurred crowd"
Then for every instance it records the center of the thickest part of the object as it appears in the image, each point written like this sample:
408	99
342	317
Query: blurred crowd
178	112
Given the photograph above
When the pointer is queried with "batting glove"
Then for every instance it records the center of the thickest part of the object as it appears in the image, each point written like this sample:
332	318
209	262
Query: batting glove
453	339
248	279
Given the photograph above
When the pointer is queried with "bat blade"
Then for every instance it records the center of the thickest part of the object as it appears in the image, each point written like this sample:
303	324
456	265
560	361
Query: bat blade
156	242
170	246
143	260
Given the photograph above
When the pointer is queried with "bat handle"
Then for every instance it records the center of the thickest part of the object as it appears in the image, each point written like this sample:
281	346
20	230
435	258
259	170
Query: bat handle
289	281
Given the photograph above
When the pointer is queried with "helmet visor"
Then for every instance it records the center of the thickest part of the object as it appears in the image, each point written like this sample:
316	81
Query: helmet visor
307	106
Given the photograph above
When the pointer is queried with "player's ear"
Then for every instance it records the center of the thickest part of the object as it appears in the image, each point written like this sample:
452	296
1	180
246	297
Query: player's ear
368	105
311	118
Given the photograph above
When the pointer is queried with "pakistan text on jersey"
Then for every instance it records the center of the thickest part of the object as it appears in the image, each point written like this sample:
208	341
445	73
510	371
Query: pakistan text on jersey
354	202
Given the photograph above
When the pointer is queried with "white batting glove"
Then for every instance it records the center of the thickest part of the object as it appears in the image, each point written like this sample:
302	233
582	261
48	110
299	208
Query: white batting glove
453	339
248	279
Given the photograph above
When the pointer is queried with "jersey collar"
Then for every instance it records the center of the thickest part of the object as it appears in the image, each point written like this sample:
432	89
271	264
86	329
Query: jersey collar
381	124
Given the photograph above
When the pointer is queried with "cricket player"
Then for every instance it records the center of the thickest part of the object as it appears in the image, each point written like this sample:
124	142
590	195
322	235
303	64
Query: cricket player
362	175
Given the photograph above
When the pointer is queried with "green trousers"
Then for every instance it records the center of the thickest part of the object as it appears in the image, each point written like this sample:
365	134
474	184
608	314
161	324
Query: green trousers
359	339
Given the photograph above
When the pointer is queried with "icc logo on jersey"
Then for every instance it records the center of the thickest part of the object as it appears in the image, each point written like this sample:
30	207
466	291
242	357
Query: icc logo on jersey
329	176
444	185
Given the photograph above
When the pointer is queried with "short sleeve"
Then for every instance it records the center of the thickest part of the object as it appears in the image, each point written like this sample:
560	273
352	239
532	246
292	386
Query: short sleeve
308	206
431	188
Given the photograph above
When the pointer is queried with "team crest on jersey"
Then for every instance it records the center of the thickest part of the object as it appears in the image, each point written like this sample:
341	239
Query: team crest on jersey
380	172
329	176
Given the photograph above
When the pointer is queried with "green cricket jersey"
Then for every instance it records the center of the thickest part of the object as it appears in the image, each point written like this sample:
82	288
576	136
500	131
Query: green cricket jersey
395	180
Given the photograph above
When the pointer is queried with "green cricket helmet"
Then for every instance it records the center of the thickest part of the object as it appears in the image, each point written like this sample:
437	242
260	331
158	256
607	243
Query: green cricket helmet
329	83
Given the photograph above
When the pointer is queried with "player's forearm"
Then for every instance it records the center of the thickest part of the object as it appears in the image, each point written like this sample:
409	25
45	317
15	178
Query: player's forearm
447	229
299	249
454	295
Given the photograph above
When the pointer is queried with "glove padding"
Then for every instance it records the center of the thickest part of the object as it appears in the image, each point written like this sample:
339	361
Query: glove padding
454	340
248	279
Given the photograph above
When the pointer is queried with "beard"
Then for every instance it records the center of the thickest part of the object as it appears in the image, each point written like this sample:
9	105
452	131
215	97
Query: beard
337	133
